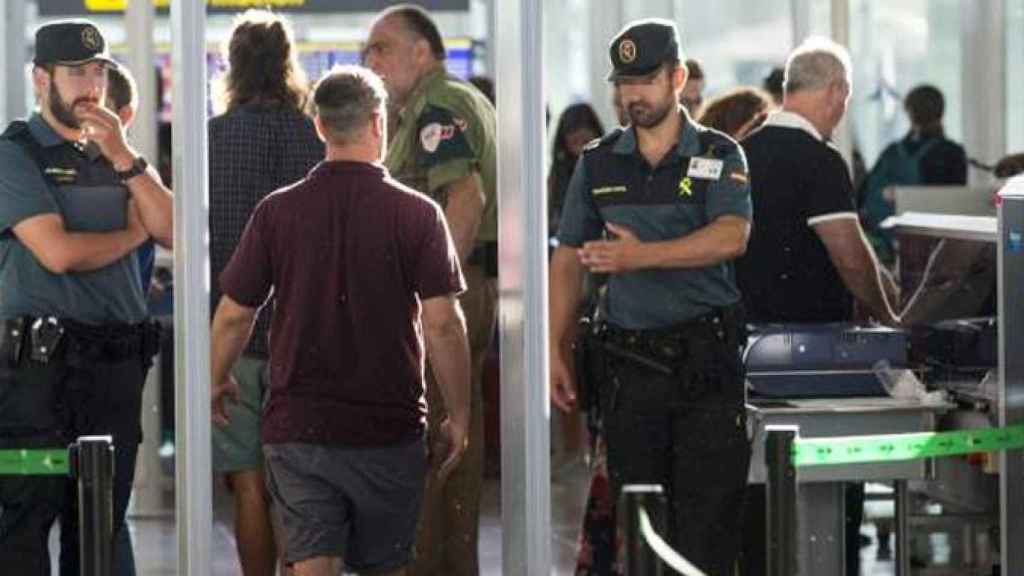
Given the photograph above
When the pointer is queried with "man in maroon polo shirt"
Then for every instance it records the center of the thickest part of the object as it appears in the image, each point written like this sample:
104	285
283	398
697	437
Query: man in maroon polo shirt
363	271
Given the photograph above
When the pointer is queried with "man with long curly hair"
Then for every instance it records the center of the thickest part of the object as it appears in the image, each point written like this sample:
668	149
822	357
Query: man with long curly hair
262	141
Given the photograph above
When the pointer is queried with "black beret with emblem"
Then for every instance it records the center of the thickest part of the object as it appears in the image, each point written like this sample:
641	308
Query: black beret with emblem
71	43
642	46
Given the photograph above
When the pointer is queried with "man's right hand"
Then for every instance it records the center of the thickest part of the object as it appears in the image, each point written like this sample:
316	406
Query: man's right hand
563	383
453	441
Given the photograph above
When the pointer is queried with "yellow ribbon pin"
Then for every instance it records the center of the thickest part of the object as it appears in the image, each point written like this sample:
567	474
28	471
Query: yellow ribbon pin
684	187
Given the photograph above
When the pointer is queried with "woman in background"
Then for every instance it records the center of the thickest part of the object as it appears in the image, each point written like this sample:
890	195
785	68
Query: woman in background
738	112
577	126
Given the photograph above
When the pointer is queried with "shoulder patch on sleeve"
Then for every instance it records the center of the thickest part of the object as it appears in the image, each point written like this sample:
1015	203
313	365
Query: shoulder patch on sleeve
441	136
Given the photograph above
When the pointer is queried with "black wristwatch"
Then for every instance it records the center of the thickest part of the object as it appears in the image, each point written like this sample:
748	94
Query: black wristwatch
139	166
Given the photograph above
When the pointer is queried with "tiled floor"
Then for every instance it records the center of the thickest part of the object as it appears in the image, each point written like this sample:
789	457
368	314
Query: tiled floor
156	540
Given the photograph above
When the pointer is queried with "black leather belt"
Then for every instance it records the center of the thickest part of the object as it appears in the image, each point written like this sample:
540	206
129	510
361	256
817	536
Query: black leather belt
42	339
670	342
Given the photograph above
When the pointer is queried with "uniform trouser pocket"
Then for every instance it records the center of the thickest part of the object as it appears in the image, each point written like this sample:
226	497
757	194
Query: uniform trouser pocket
29	395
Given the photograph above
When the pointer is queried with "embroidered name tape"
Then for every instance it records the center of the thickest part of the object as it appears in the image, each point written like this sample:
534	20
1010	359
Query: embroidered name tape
608	190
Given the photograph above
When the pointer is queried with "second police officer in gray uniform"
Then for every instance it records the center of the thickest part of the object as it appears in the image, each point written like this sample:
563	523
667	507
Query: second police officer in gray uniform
663	207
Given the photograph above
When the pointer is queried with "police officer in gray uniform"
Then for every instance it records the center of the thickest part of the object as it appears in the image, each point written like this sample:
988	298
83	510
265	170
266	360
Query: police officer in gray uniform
663	207
75	344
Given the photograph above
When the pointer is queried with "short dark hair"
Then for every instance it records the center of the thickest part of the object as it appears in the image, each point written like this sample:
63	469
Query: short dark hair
346	99
419	22
925	105
121	90
694	70
263	66
47	67
773	82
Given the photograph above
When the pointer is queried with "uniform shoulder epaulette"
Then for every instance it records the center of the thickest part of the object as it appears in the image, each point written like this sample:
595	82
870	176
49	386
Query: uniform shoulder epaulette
14	130
715	143
606	140
19	133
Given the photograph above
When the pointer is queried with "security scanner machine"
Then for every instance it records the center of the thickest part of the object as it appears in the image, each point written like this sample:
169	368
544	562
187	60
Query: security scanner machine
956	365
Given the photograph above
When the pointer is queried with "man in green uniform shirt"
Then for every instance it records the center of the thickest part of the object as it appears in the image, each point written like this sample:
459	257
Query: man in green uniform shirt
443	145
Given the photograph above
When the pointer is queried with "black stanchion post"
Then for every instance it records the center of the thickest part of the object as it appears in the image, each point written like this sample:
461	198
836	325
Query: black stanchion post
92	461
781	491
639	559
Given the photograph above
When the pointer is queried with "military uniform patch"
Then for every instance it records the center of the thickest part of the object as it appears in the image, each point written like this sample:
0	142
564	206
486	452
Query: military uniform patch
430	137
442	136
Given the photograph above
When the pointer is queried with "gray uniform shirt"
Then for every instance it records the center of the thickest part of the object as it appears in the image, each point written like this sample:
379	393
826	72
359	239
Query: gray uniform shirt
82	187
689	189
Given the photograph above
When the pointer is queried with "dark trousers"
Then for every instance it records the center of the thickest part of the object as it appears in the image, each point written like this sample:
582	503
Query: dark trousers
49	405
686	432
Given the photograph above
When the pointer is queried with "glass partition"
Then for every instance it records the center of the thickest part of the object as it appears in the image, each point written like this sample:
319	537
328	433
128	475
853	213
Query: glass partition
896	46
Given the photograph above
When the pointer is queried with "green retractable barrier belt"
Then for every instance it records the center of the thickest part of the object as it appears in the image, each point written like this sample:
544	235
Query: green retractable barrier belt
900	447
26	462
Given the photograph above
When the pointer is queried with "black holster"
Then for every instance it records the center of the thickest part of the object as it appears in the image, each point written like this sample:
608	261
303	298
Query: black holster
587	380
12	341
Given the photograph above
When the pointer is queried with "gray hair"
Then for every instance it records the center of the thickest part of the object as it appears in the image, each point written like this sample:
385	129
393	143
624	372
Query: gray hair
346	98
818	62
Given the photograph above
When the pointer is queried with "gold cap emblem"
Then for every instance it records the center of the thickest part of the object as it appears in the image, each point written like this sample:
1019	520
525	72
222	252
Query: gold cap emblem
627	51
91	38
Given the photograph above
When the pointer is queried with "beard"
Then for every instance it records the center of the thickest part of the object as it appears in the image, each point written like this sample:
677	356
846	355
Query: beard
63	112
644	115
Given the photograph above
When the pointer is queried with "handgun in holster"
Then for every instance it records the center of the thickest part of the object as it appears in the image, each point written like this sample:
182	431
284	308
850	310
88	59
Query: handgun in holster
586	381
45	337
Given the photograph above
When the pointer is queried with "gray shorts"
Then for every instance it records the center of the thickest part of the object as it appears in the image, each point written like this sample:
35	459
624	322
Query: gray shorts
236	447
359	504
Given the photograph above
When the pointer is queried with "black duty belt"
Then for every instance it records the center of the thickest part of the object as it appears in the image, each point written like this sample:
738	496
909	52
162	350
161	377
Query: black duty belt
671	343
43	338
717	321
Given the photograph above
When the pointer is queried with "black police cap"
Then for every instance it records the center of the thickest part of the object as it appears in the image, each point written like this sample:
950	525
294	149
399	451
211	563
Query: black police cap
71	43
642	46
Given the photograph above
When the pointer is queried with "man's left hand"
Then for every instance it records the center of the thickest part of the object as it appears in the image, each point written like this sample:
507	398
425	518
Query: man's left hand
103	127
220	394
620	254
